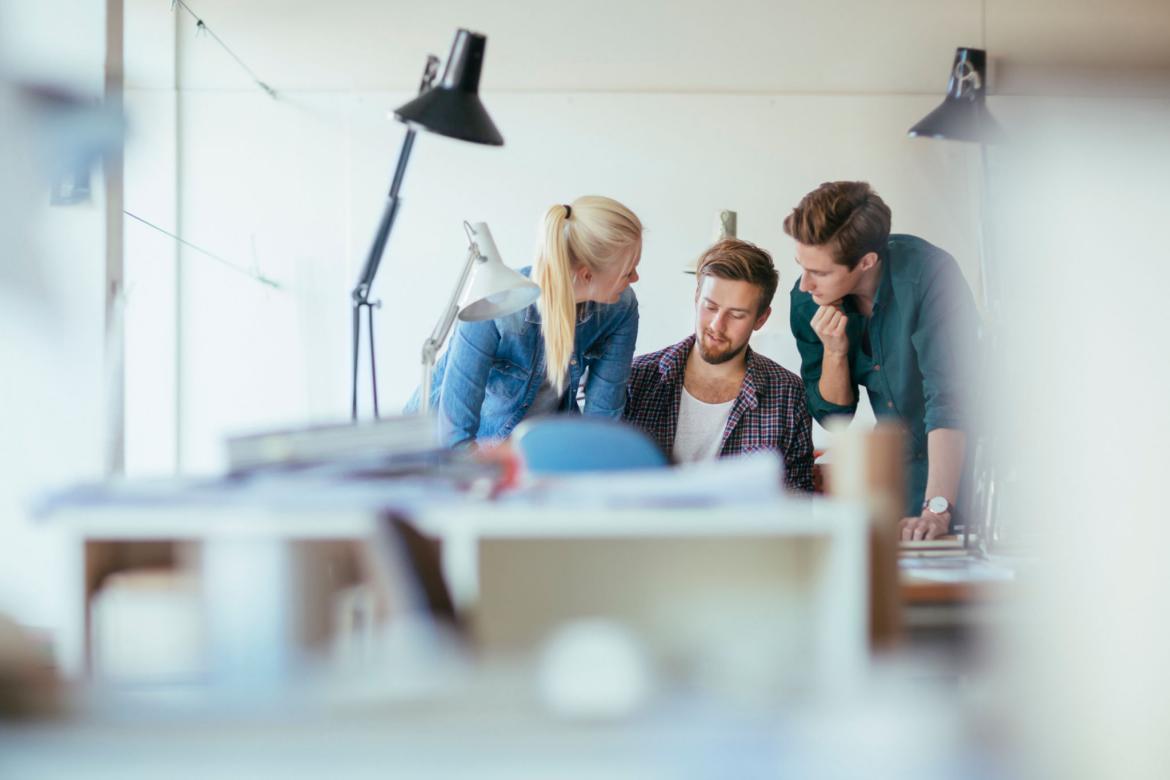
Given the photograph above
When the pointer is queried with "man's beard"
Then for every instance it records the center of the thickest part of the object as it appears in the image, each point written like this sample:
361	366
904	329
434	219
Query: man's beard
714	358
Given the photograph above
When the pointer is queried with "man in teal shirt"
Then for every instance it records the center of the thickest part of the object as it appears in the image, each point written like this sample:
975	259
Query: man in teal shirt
892	314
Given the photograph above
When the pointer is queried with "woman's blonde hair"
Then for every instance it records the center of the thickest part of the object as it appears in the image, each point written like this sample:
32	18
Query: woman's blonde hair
593	231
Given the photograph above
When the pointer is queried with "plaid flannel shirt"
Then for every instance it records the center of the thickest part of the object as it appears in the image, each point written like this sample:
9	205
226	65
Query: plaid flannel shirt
770	412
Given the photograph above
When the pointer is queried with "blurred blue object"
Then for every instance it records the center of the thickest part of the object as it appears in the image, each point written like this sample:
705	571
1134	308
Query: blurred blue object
568	443
74	133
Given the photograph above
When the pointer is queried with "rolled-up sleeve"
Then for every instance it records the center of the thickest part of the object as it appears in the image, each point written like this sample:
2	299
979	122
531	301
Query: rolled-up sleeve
945	339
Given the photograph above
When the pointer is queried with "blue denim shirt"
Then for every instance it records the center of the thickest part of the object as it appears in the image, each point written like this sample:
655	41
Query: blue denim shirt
487	379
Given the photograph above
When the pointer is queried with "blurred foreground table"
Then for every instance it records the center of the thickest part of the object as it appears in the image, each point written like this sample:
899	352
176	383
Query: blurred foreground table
942	571
951	596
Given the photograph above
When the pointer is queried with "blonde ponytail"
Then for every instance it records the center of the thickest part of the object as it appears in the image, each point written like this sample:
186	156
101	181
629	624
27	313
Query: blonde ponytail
593	231
557	306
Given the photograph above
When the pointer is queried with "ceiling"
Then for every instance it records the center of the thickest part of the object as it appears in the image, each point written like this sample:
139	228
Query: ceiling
736	46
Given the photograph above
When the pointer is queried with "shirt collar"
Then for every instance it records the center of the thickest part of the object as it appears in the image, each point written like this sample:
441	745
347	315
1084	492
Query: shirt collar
674	358
748	391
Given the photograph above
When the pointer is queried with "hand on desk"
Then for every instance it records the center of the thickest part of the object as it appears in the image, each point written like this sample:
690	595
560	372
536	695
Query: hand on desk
928	525
503	455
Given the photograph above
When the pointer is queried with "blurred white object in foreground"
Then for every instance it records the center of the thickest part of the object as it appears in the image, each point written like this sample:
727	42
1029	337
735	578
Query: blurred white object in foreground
594	669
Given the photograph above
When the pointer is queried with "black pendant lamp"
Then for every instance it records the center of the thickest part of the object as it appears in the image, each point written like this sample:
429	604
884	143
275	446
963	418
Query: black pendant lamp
963	115
452	108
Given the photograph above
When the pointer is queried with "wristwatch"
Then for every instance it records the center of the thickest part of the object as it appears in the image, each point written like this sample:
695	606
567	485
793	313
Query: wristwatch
939	505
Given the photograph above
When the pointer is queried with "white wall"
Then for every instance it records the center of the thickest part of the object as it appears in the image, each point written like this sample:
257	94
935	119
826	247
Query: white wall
151	258
676	160
677	112
678	109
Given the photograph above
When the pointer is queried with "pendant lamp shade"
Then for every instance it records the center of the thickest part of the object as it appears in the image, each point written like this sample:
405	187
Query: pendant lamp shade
963	115
452	108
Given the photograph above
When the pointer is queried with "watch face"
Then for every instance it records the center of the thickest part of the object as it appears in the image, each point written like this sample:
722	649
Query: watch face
938	505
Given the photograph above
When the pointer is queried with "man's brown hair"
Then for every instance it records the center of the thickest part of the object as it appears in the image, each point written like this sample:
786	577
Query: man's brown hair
741	261
847	216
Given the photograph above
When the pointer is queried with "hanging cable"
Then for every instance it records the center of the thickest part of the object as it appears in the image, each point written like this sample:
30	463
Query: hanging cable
259	277
201	26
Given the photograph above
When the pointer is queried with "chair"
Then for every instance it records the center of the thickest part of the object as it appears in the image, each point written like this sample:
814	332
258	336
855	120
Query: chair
573	443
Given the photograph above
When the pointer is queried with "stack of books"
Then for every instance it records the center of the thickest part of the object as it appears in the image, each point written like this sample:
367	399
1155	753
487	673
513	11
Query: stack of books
389	438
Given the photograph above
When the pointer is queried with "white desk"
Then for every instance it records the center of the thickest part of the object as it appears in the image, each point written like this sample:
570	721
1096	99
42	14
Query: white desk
790	573
244	537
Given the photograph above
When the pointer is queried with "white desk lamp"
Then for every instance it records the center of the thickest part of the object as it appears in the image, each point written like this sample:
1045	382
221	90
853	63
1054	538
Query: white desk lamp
487	289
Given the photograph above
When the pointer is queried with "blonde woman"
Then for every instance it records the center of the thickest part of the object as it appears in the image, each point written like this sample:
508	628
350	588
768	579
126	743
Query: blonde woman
498	372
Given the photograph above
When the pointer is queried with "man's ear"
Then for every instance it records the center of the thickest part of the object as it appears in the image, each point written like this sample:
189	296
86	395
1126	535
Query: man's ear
762	318
867	261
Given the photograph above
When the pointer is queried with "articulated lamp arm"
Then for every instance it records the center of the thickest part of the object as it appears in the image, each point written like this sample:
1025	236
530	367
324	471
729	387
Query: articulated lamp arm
443	327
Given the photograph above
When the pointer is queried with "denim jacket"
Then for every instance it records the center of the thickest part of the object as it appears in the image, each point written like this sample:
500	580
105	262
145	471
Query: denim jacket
487	379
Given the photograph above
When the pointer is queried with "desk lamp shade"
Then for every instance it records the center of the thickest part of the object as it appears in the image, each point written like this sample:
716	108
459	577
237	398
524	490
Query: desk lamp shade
453	108
494	290
963	115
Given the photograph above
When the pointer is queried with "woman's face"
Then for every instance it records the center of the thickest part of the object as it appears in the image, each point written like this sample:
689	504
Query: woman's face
608	285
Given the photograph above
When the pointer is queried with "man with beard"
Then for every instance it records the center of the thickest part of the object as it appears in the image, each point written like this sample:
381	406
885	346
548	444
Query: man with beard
710	395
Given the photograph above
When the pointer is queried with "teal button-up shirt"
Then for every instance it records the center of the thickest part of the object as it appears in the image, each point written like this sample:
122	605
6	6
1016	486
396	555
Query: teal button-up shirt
915	354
